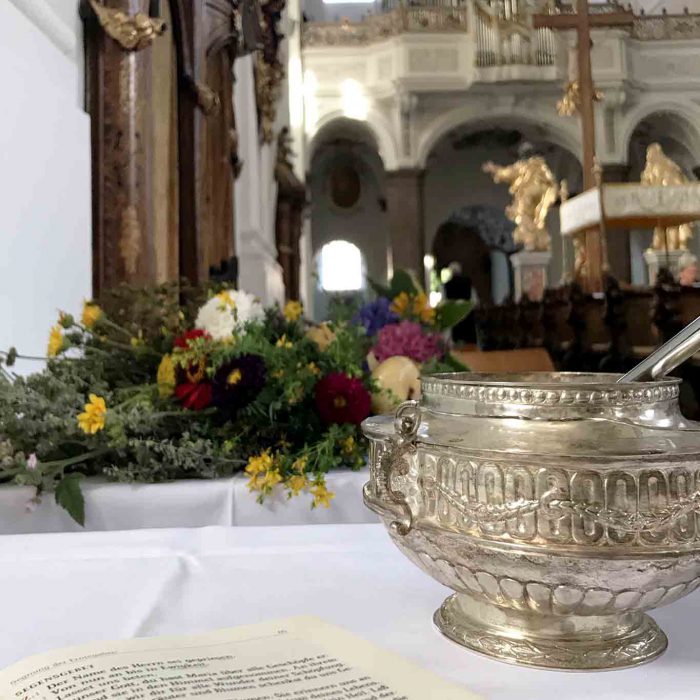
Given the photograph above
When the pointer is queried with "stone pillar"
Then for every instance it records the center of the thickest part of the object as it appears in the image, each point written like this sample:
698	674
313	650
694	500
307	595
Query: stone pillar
404	197
618	240
530	273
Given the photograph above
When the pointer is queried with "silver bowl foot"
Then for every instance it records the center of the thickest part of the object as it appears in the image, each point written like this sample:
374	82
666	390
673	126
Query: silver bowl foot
566	643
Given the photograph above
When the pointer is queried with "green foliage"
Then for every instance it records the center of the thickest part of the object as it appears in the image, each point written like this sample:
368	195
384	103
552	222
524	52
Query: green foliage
55	428
403	281
69	496
450	313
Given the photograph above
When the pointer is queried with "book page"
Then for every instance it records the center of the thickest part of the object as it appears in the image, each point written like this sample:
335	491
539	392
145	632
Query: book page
300	658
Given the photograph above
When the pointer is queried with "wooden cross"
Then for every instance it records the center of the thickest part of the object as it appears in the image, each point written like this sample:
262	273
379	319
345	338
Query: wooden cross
582	22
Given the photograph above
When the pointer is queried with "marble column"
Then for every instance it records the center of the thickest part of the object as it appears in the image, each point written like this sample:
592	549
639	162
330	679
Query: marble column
618	240
404	198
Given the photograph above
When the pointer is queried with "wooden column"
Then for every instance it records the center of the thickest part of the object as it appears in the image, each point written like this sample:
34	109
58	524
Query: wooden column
618	241
404	197
118	91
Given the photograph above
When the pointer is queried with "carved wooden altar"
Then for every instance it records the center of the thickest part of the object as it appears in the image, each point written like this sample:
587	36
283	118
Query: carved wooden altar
159	87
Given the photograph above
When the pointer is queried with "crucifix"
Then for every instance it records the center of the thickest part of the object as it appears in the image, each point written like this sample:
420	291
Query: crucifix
582	22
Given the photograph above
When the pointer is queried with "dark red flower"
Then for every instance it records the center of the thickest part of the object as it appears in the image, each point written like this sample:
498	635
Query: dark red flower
238	382
194	395
183	341
342	399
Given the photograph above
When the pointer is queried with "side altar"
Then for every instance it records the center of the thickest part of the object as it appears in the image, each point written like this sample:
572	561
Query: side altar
620	206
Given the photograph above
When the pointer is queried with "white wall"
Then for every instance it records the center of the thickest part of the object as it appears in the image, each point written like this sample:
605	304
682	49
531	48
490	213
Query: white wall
256	196
365	224
45	219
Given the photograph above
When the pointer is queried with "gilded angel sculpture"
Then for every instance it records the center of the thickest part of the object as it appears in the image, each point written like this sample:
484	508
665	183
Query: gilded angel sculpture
661	170
534	191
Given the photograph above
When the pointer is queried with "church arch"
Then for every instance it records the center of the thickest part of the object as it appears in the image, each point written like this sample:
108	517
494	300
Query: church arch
373	129
467	118
679	121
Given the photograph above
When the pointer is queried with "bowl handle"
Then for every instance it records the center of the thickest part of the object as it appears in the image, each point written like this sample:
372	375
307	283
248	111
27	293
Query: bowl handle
394	462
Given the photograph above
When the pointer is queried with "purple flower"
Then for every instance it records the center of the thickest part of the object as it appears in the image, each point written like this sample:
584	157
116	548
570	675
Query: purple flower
407	338
238	382
375	315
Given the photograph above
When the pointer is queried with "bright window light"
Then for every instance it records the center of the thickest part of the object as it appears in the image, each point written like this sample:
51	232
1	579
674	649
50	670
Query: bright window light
340	267
353	99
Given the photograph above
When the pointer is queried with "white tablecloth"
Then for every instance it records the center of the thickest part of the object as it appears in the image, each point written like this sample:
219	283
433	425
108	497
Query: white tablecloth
63	589
191	503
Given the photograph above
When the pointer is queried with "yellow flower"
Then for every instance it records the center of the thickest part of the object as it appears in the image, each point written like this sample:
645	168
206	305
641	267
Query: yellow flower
322	496
293	310
297	483
91	314
278	374
284	343
263	477
401	304
271	479
55	341
348	445
166	377
322	335
260	463
93	420
313	368
136	342
299	464
422	308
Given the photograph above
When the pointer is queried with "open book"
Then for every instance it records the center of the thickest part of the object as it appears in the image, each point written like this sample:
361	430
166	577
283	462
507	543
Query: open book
300	658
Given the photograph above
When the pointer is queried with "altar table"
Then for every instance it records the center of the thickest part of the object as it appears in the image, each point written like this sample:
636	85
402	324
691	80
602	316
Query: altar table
186	503
65	589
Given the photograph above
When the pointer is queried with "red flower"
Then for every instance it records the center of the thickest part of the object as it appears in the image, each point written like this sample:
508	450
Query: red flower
342	399
194	395
183	341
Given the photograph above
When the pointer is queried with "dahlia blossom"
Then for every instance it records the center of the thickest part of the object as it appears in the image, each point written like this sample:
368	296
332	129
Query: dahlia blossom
342	399
407	338
194	395
227	312
375	315
238	382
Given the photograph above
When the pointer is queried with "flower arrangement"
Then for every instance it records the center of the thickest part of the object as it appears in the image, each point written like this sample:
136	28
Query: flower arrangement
146	387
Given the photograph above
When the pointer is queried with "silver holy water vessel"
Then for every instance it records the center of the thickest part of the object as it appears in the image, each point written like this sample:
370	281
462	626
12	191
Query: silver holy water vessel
559	507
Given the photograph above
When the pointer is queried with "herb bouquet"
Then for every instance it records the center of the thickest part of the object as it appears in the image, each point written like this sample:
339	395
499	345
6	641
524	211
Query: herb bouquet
144	388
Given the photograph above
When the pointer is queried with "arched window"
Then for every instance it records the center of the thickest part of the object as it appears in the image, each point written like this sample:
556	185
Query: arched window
340	267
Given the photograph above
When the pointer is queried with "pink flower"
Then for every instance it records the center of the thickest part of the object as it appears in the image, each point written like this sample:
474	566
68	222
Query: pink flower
407	338
32	461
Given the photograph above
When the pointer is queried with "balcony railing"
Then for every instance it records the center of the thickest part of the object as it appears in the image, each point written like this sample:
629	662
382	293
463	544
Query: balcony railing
394	21
503	34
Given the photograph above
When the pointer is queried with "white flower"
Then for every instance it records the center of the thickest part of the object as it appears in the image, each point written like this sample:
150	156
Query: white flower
227	312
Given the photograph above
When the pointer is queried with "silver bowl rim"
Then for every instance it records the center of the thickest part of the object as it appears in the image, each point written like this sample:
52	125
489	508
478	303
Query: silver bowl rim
536	380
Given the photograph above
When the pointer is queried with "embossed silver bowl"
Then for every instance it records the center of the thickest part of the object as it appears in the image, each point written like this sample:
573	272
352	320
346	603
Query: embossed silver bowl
559	508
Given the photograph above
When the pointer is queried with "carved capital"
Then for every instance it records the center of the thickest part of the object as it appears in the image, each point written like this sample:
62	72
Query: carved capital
131	33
